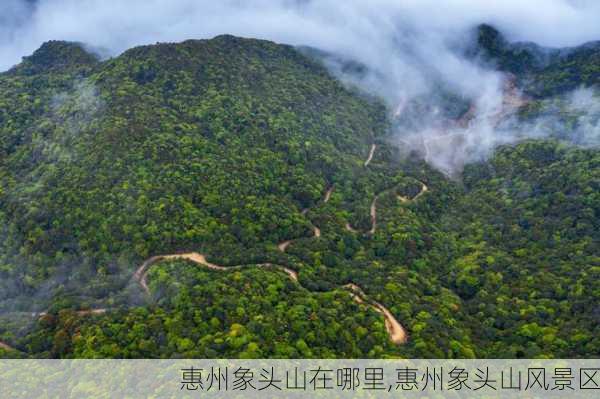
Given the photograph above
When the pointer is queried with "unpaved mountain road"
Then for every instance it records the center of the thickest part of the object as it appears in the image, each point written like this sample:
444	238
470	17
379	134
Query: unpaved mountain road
199	259
373	208
91	311
396	332
373	214
282	246
316	231
371	153
6	347
328	194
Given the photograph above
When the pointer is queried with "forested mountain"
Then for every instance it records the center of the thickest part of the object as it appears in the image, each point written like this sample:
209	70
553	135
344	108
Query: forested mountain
249	155
541	71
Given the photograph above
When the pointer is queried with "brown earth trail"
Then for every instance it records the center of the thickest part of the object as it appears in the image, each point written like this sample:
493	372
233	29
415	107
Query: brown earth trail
371	153
282	246
316	231
373	216
89	312
367	162
397	333
200	259
373	209
328	194
394	328
6	347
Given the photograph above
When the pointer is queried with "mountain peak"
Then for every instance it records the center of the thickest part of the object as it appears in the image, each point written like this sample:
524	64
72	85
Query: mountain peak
516	58
489	38
57	55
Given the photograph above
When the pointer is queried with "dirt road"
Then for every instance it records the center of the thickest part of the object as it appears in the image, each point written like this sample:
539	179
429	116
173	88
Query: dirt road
373	210
6	347
89	312
373	216
316	231
199	259
424	189
394	328
371	153
282	246
328	194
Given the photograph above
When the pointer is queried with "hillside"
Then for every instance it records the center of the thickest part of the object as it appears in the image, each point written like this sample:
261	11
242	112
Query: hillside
541	71
246	154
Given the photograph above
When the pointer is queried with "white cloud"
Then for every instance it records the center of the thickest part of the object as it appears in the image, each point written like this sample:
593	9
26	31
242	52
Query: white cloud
404	42
330	24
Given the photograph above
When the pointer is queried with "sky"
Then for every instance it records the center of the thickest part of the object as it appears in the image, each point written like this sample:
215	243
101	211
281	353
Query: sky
329	24
403	42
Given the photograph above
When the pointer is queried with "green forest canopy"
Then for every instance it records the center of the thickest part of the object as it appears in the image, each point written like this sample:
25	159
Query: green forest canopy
217	146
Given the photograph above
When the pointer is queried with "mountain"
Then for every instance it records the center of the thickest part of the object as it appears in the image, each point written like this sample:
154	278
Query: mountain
129	186
541	71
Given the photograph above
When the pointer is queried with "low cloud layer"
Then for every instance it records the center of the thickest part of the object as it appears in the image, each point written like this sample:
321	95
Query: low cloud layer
355	27
409	47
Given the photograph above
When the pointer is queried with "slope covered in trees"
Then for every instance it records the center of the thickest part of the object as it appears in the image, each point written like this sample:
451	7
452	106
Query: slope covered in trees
229	147
542	71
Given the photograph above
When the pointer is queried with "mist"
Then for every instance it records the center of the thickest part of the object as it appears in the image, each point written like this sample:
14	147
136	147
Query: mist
410	49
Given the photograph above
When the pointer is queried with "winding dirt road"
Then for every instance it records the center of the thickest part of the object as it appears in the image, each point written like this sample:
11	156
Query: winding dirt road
424	189
350	228
328	194
397	333
142	272
402	198
373	216
511	102
373	204
316	231
371	153
6	347
395	330
89	312
283	245
373	211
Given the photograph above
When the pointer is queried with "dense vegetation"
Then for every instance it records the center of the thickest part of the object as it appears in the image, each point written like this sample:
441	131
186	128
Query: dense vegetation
541	71
217	147
527	263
